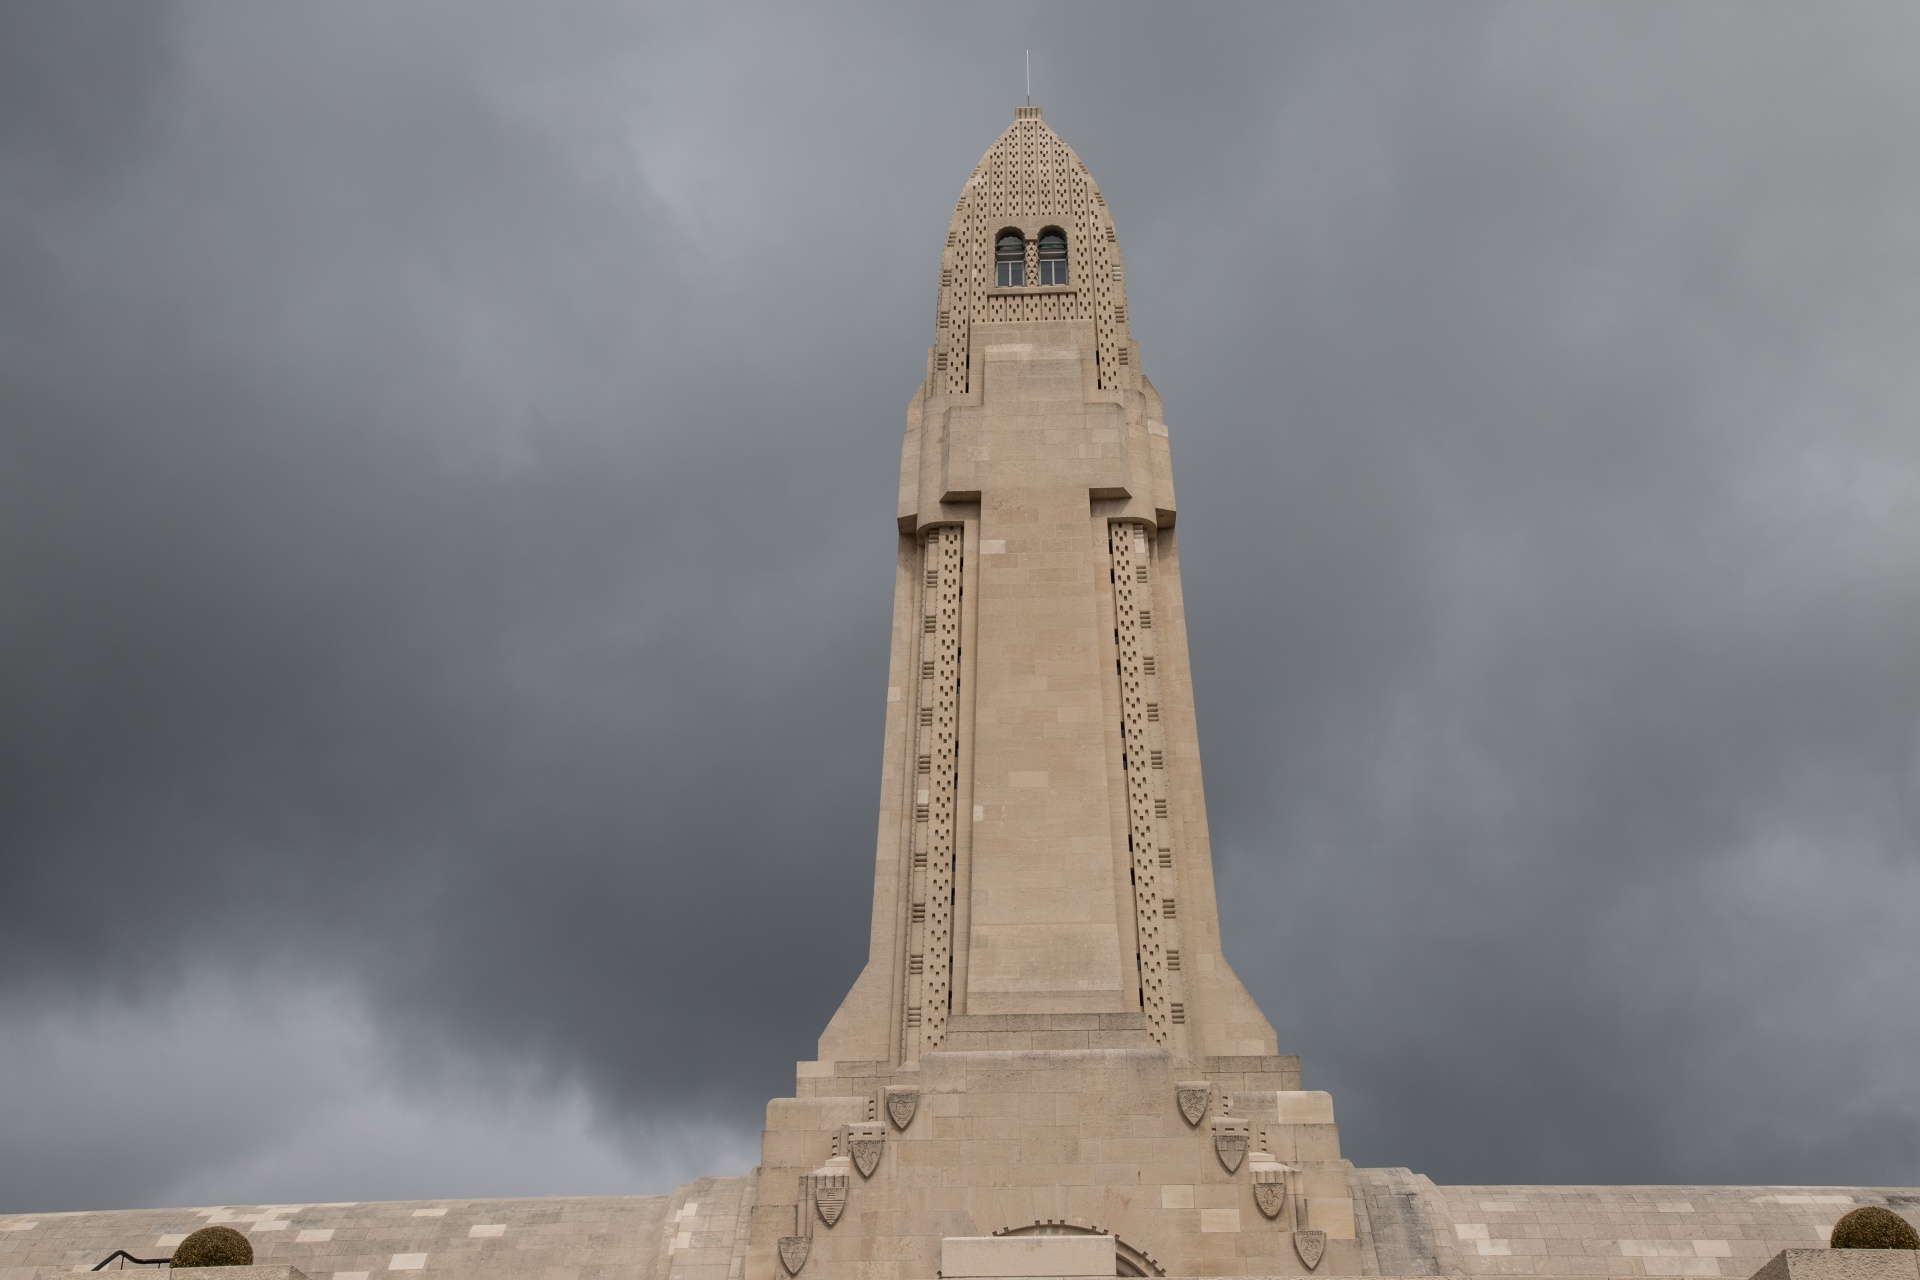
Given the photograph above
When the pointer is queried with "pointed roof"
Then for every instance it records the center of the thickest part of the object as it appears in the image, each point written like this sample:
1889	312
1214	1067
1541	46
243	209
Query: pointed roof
1030	180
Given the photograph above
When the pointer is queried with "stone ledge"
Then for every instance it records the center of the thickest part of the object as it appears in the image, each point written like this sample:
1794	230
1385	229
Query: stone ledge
1255	1064
978	1022
1842	1264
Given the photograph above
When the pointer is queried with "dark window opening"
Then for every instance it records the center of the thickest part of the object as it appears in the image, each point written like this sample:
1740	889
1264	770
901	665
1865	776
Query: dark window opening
1053	256
1010	260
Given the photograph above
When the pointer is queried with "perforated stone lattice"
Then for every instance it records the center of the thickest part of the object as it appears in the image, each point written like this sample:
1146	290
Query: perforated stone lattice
1150	837
1029	178
929	976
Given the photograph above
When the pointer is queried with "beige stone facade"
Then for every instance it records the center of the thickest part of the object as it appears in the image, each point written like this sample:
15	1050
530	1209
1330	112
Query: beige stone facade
1045	982
1047	1067
1406	1226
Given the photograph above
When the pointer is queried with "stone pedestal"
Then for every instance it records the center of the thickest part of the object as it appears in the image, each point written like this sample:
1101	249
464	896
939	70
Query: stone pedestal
1185	1169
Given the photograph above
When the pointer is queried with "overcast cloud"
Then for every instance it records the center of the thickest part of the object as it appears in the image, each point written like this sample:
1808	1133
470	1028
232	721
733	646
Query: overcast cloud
446	529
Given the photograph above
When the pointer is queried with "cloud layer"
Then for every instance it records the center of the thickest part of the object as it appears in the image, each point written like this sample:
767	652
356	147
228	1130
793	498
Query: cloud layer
446	463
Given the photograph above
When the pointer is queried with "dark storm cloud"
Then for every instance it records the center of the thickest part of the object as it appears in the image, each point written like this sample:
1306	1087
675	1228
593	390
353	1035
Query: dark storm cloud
447	539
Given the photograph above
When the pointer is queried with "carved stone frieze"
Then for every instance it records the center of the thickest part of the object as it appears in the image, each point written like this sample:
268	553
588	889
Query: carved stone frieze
901	1104
1194	1097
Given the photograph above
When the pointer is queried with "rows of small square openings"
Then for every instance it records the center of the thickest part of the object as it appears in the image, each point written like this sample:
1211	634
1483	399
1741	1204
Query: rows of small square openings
1145	777
934	779
1030	176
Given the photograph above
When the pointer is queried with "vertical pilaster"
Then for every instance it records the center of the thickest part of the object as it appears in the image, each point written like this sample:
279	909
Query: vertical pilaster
1150	831
929	978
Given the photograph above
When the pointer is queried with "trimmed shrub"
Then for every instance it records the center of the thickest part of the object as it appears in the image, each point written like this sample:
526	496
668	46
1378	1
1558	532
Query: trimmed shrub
217	1247
1871	1227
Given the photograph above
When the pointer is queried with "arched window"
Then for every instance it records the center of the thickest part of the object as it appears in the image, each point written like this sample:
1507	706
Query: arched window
1009	260
1053	256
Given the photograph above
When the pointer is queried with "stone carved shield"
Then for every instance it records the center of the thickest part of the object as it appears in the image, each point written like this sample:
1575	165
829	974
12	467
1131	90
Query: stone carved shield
901	1104
794	1251
1310	1245
865	1143
1194	1096
829	1195
1231	1138
1270	1189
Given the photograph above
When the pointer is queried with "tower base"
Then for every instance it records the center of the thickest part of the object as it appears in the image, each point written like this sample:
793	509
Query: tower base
1052	1125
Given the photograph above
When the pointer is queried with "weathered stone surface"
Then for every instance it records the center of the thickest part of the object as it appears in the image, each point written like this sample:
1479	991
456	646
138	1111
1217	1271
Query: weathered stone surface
1842	1264
996	1257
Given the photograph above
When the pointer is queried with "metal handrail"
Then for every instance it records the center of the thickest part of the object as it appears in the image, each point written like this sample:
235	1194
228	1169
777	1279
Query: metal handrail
145	1262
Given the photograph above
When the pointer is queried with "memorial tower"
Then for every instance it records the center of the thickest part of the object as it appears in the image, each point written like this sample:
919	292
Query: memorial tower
1047	1068
1047	1044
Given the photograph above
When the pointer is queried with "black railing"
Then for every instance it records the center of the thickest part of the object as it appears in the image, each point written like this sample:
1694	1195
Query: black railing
122	1253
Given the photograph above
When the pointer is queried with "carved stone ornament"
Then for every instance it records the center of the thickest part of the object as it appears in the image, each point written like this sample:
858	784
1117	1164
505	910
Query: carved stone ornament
865	1144
901	1104
1270	1189
1269	1182
829	1194
1231	1138
794	1251
1311	1246
1195	1096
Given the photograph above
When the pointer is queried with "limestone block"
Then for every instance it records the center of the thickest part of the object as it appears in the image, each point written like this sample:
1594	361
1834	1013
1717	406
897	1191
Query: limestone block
1022	1256
1315	1141
787	1115
1841	1264
1335	1217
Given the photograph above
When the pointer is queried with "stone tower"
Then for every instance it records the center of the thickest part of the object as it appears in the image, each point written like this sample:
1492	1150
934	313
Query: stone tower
1047	1068
1047	1052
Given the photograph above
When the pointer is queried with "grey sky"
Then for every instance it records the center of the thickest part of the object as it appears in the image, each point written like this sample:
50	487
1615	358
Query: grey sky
446	481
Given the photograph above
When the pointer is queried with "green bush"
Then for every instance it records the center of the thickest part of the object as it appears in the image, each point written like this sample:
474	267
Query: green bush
1872	1227
220	1247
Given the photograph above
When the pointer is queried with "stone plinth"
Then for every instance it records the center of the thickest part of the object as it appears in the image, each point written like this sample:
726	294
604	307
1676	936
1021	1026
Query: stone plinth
1173	1164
